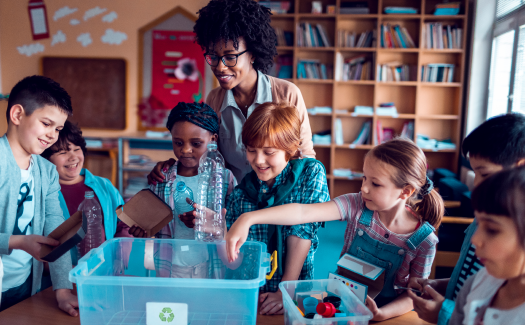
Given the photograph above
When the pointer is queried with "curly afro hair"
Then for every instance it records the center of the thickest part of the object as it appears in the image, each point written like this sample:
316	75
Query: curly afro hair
227	20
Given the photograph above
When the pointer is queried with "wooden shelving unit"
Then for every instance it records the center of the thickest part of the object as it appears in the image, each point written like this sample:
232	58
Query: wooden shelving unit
435	108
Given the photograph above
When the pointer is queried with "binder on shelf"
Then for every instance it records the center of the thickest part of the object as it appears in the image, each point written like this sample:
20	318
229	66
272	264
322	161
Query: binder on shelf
438	36
284	38
313	69
364	134
437	72
395	71
350	39
338	128
277	7
355	68
312	36
354	7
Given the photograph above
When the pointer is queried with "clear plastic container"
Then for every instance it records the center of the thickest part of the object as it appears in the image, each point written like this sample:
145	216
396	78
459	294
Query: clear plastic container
113	286
357	313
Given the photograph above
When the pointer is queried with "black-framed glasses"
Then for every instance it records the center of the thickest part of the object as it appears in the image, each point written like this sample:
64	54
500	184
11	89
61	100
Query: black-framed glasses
229	60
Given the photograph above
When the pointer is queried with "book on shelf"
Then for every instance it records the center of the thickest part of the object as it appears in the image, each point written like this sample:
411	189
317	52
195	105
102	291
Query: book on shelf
363	110
355	68
425	142
364	134
338	130
447	9
277	7
314	69
284	38
283	68
400	10
354	7
395	37
395	71
437	72
351	39
408	130
309	35
438	36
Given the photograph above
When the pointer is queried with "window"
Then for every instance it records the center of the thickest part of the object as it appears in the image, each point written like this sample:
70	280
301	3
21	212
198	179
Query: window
506	91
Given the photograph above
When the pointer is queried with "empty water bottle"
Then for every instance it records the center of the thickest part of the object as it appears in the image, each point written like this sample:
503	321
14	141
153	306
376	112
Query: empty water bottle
181	206
92	213
209	225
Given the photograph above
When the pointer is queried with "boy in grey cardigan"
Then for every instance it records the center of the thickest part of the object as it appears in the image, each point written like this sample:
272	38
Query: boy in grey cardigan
29	210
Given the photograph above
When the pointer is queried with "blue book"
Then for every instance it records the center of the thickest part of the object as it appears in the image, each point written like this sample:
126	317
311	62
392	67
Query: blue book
446	12
400	36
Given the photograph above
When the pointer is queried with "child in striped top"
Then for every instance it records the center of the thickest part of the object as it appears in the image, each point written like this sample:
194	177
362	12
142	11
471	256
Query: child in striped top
385	224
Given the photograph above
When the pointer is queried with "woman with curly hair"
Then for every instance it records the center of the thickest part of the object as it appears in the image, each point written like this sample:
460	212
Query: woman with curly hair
239	45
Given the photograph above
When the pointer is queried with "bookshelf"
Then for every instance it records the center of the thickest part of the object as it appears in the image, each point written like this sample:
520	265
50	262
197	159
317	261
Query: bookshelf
433	107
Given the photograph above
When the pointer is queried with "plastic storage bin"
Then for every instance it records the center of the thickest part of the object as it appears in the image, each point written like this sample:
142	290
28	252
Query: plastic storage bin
358	314
116	280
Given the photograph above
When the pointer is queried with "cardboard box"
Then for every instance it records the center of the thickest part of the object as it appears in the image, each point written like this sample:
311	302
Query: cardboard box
69	233
362	277
147	211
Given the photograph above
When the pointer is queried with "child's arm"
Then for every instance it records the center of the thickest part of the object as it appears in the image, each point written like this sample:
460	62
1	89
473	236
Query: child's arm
401	305
288	214
59	269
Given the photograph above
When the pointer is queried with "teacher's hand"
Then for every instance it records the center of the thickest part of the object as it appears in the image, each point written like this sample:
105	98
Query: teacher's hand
157	175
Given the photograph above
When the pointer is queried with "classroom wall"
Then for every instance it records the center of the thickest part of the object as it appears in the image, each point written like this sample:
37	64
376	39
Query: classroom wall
20	56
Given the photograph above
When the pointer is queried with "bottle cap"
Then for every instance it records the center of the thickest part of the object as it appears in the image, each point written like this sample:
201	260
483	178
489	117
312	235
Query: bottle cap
212	145
181	186
334	300
89	195
325	309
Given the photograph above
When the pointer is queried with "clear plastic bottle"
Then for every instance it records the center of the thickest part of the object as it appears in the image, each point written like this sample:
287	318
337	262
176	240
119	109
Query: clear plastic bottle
181	206
209	226
91	212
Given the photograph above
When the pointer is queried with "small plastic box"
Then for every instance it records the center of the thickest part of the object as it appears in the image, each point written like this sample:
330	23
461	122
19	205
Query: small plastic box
359	314
116	280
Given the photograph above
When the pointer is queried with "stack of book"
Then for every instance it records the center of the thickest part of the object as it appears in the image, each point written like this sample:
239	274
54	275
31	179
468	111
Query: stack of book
439	36
447	9
400	10
277	7
354	7
395	71
387	109
437	72
350	39
395	37
284	38
355	68
283	68
425	142
313	69
312	36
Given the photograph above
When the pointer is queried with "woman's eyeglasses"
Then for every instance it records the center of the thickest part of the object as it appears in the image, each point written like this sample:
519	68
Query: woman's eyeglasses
229	60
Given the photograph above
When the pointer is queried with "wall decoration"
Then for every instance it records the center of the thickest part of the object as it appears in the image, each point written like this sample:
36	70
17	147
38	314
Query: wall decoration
177	68
110	17
113	37
59	37
38	18
30	49
74	22
64	11
93	12
84	39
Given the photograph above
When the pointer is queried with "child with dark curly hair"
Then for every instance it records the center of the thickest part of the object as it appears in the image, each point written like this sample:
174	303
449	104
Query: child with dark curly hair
239	45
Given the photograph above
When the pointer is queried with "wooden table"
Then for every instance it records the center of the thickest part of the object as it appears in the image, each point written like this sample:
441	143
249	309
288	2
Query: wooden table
42	309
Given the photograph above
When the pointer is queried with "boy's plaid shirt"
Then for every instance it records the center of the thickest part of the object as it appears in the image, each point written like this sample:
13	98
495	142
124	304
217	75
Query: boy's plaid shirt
311	187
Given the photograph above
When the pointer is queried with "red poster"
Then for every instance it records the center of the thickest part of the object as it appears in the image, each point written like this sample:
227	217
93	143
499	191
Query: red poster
177	69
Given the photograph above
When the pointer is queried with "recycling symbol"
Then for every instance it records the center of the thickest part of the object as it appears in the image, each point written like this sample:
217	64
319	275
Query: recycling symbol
166	315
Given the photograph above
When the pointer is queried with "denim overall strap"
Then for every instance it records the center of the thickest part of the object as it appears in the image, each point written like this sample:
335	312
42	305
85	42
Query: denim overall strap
366	217
420	235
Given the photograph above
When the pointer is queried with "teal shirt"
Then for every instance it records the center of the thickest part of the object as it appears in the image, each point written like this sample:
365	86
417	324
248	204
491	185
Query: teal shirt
109	198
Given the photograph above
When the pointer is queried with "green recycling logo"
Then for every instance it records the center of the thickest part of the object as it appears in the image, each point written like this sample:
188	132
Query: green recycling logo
166	315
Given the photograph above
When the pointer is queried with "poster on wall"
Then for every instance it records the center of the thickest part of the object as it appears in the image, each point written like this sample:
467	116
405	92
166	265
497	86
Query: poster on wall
177	74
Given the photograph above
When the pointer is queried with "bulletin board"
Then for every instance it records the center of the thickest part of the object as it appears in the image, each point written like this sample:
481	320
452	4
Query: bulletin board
97	88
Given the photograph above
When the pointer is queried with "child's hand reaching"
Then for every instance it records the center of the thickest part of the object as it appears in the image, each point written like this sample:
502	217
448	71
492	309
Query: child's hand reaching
271	303
156	175
67	301
188	218
427	309
31	244
372	306
235	237
136	231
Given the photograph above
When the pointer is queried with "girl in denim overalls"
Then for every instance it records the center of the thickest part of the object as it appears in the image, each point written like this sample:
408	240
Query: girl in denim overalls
385	227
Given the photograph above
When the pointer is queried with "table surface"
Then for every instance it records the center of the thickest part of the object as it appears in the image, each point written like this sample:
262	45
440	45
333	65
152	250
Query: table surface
42	309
